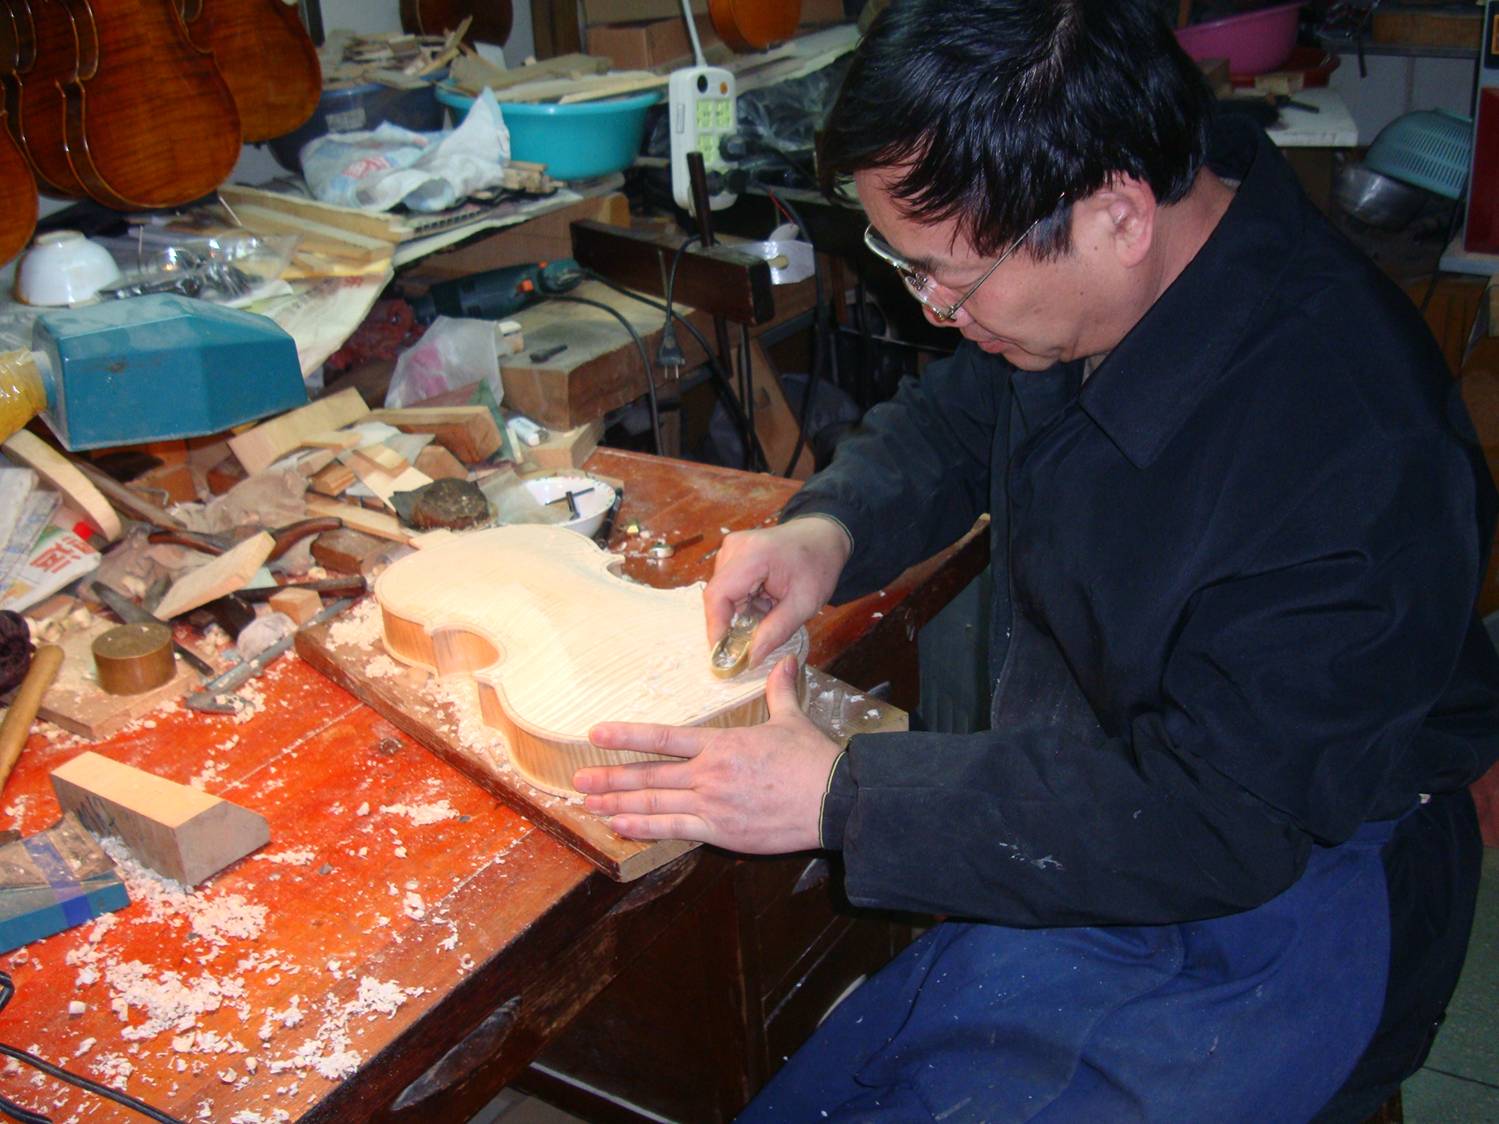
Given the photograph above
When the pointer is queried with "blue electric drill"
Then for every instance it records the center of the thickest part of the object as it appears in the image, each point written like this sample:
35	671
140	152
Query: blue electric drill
497	293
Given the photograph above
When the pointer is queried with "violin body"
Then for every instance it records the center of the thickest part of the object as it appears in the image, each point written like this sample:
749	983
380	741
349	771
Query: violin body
556	641
17	187
148	120
34	97
266	59
753	25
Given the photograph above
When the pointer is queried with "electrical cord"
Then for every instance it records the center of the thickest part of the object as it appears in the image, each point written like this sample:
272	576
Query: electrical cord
26	1116
645	359
747	392
720	379
667	332
1454	222
744	417
821	345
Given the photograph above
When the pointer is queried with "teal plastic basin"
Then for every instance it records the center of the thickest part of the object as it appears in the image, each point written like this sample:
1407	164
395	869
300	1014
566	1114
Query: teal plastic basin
575	142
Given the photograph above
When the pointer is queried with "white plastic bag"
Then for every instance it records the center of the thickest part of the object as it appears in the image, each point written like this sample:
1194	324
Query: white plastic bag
454	352
426	171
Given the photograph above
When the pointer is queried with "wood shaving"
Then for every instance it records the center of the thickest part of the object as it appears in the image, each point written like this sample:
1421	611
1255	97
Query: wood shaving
422	814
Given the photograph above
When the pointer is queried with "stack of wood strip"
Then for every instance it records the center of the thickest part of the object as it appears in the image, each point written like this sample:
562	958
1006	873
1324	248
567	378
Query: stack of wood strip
565	79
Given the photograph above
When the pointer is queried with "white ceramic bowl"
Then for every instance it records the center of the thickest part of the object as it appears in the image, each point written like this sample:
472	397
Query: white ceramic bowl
64	267
592	505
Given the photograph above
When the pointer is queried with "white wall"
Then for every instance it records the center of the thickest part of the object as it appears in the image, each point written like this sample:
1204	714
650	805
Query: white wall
1396	85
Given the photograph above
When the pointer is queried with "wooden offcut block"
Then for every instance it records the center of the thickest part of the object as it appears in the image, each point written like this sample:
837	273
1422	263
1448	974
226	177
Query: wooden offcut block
333	480
229	571
181	832
568	449
257	448
377	523
301	605
344	549
439	464
469	432
173	480
378	458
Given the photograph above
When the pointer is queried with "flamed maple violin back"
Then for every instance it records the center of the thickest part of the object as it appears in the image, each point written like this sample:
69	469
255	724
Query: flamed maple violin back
149	121
17	188
556	642
265	57
34	94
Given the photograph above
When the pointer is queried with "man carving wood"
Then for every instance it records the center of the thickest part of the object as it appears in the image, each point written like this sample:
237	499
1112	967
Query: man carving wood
1215	854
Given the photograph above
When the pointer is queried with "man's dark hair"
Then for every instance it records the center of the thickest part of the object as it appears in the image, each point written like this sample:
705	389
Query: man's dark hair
995	109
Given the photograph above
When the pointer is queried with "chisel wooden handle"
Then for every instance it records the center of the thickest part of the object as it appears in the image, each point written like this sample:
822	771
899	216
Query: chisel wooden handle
17	725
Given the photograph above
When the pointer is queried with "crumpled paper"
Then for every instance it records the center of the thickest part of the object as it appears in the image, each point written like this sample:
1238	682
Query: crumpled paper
377	169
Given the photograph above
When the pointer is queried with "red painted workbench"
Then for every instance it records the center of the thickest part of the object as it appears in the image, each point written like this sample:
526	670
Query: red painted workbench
406	945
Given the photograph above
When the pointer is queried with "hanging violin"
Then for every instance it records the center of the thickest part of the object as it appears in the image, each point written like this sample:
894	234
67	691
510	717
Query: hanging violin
18	217
149	121
244	36
33	91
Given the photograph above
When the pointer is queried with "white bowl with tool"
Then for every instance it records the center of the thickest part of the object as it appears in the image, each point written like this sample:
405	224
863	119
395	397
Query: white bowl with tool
581	499
63	267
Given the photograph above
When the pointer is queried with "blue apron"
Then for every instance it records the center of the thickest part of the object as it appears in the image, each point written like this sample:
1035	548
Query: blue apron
1257	1016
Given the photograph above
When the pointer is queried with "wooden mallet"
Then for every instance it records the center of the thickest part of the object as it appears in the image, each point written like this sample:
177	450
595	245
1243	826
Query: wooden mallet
40	670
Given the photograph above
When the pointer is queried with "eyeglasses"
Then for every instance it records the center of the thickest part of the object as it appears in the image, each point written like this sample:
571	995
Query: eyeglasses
921	285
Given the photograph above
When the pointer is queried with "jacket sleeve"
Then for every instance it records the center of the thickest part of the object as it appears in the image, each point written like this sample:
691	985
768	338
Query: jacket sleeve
1290	696
915	474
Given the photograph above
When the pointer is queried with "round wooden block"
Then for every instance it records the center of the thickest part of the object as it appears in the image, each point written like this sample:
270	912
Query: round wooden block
133	658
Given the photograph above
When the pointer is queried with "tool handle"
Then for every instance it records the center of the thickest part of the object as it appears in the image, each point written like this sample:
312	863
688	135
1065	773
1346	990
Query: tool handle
293	533
17	725
208	544
351	585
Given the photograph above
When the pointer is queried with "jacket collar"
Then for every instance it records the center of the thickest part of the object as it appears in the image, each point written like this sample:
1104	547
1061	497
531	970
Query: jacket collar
1153	380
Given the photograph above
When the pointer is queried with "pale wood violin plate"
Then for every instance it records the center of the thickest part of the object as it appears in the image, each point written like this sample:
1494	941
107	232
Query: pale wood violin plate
556	641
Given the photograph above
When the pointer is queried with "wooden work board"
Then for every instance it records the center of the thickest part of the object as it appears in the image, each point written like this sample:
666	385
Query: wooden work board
599	368
837	709
77	703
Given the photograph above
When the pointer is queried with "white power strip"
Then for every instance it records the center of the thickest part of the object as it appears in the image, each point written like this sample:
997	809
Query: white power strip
702	114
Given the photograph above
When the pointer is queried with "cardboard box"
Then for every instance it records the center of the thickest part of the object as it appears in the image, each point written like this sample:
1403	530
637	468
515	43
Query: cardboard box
821	13
641	46
1428	29
636	11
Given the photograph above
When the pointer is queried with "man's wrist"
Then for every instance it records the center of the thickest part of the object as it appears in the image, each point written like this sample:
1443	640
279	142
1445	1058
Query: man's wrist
848	536
837	804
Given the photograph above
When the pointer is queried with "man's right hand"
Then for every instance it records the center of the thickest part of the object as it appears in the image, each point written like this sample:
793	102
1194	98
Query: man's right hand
796	565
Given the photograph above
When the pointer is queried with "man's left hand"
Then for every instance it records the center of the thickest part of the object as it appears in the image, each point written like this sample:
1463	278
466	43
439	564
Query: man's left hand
752	789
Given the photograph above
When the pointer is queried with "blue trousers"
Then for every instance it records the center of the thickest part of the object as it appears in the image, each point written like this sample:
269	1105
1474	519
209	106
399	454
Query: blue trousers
1258	1016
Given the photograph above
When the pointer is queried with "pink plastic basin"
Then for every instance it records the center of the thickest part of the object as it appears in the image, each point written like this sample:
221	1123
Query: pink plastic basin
1252	43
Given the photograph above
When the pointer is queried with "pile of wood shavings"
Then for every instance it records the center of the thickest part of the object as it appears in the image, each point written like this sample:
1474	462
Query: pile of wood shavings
213	917
169	1002
327	1051
422	814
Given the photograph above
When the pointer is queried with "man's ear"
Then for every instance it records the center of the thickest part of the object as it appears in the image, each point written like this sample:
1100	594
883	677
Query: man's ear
1126	211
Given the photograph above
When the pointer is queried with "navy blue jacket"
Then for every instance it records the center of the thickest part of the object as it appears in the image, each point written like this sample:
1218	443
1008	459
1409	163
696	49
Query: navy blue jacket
1252	541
